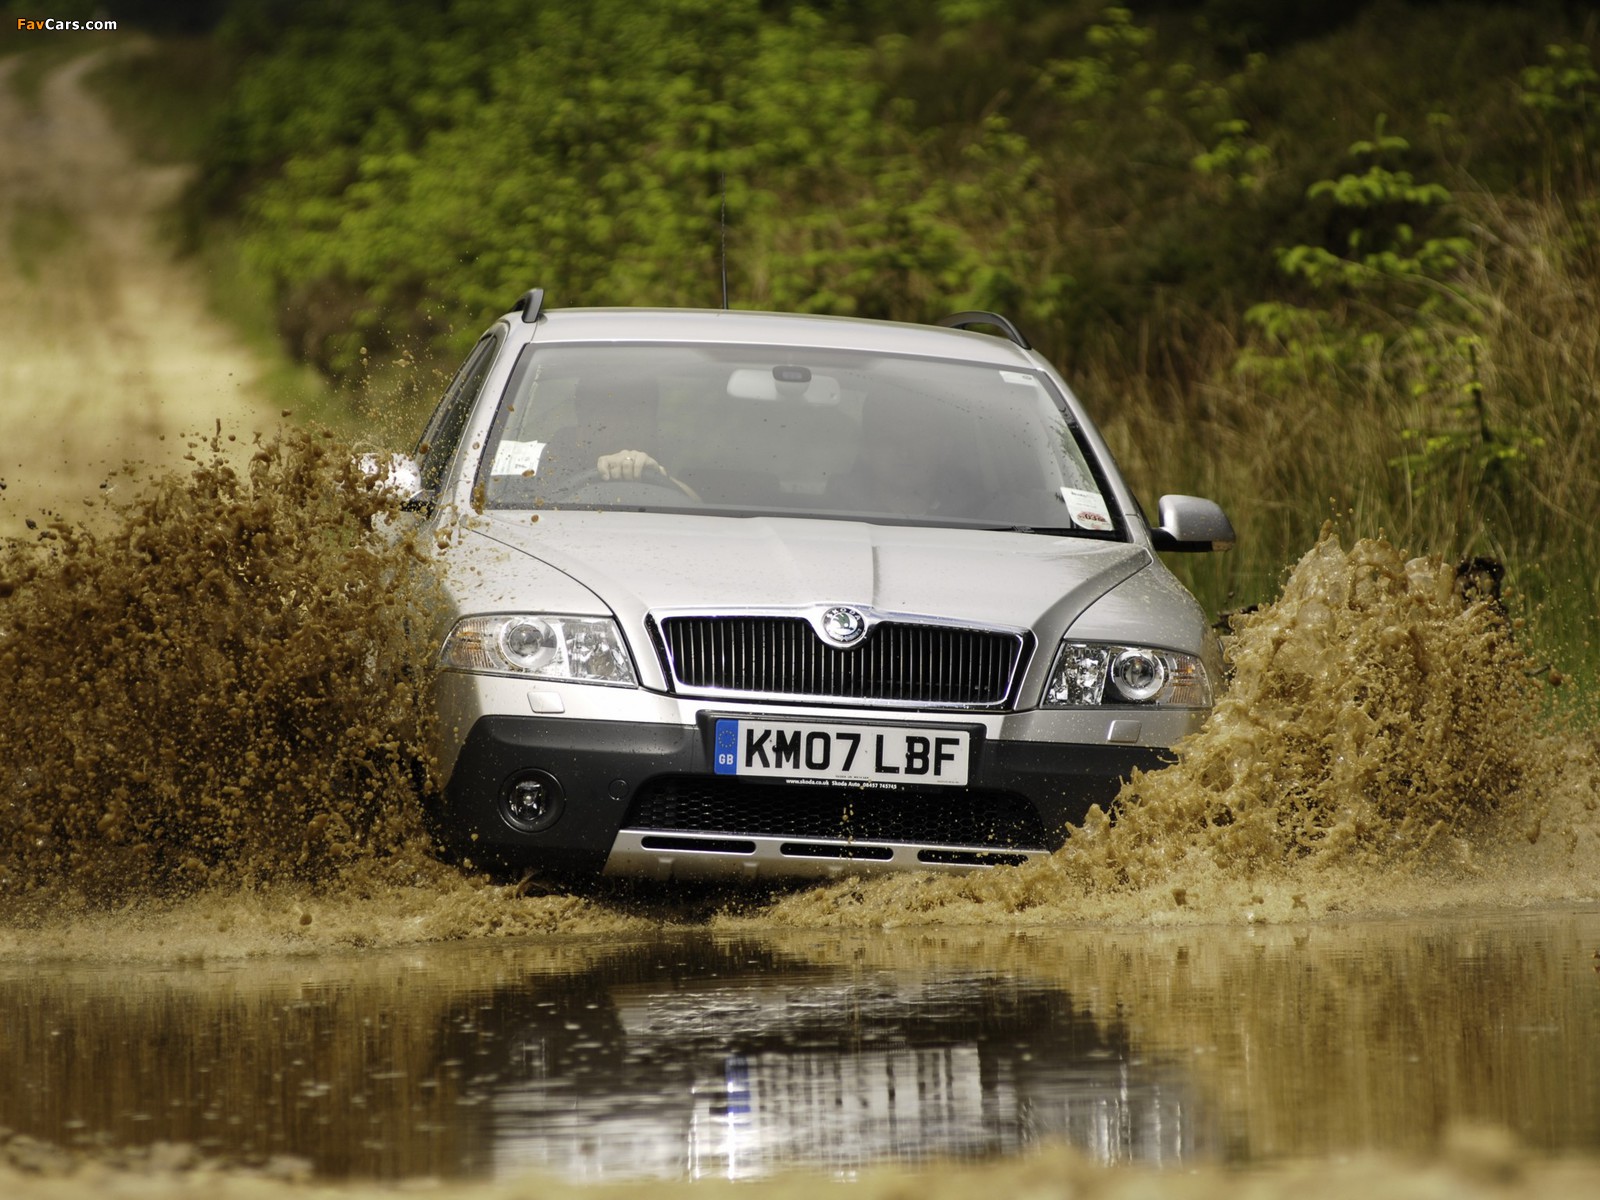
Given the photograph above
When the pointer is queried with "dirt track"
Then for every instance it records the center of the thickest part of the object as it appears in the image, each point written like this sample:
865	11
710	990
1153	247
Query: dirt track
105	342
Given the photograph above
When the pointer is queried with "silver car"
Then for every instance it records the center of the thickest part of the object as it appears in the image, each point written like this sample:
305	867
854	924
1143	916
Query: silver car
747	594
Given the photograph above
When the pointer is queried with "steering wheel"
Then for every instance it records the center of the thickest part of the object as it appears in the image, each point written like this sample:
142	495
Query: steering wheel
590	476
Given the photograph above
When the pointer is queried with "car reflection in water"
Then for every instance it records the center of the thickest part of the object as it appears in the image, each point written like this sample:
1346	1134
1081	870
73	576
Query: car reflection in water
677	1069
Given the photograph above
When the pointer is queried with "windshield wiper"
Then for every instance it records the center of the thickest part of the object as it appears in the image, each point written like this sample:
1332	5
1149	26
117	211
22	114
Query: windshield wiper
1053	531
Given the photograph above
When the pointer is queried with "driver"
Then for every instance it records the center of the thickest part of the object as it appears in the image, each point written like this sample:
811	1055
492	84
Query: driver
614	436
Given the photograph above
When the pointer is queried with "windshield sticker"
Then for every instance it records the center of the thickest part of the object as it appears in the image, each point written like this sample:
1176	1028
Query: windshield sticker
1019	377
1087	509
517	458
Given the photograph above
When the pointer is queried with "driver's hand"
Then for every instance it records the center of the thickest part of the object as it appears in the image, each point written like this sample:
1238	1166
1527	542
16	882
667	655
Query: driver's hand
625	464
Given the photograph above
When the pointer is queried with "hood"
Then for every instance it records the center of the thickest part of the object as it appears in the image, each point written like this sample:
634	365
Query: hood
639	563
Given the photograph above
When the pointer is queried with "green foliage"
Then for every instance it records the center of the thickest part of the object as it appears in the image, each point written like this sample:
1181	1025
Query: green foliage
153	92
1113	177
408	165
1383	251
1117	62
1563	84
1127	72
1562	91
1236	158
416	205
406	168
1153	165
1379	293
1465	450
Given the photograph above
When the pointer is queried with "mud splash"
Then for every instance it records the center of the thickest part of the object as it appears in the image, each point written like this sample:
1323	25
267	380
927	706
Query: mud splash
215	740
212	681
1382	747
1375	717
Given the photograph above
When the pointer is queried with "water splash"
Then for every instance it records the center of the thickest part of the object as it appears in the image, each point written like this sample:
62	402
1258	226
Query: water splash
1380	746
214	680
1375	716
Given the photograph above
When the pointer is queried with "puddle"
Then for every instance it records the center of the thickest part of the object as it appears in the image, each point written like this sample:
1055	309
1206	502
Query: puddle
699	1055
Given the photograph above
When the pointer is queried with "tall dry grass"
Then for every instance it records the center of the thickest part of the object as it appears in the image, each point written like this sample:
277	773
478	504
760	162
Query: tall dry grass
1469	430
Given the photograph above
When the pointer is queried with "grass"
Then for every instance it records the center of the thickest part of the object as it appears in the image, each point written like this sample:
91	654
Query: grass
1503	403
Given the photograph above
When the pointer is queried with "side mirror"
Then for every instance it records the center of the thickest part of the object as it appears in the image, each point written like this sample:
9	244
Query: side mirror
1191	524
400	475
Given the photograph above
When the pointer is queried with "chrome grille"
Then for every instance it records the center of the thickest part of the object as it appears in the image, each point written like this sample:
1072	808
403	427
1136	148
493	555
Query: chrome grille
897	662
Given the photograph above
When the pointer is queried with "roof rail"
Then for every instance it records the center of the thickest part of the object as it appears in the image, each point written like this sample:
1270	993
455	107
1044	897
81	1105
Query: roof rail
966	320
529	304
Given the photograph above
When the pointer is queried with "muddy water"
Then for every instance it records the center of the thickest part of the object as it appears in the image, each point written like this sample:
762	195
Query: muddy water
695	1055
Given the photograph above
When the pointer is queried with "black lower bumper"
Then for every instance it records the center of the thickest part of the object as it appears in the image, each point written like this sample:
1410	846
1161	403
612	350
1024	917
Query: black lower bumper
611	775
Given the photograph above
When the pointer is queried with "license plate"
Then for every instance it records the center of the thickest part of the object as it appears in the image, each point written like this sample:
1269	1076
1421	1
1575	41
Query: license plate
848	753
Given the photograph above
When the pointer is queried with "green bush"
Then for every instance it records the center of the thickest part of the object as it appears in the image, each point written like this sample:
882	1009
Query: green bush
1210	221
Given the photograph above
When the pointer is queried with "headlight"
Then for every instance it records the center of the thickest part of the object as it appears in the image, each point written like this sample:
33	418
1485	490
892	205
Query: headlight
582	649
1090	673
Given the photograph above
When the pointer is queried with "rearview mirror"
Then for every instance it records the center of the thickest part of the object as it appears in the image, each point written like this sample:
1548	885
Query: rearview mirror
783	383
1191	524
400	476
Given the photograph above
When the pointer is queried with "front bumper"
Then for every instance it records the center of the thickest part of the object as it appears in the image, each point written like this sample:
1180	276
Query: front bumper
638	794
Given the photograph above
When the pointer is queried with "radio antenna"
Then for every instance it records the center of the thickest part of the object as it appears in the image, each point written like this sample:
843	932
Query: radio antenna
723	221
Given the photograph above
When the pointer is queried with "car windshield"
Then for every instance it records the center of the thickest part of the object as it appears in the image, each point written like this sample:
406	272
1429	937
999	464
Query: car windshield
741	430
